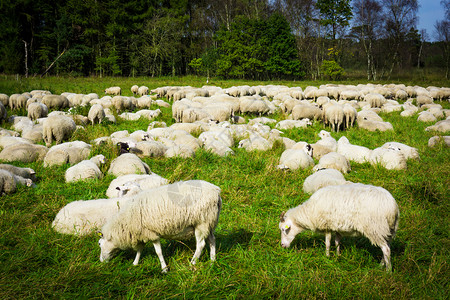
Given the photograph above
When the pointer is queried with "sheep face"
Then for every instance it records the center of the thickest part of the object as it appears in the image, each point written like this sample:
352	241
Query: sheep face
107	249
288	230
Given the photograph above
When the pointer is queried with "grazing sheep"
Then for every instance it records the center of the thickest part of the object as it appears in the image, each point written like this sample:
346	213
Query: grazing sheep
422	100
128	163
435	140
23	152
350	114
391	159
333	160
122	103
333	114
175	211
143	90
96	114
306	111
17	101
293	159
135	89
375	100
114	90
22	172
55	101
83	217
356	153
407	151
57	127
37	110
86	169
323	178
145	181
345	210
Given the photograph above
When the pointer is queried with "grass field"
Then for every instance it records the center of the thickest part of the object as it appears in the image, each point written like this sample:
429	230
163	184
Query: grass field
37	262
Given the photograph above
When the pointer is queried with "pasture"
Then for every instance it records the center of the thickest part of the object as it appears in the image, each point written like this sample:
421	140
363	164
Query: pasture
37	262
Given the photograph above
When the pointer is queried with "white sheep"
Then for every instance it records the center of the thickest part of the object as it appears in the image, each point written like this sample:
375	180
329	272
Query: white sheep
334	114
7	183
57	127
128	163
375	125
23	152
375	100
350	114
86	169
4	99
407	151
356	153
347	209
435	140
134	89
143	90
255	142
149	149
17	101
37	110
67	153
441	126
323	178
145	182
96	114
176	211
303	111
114	90
426	116
327	140
289	124
19	171
181	150
391	158
333	160
293	159
55	101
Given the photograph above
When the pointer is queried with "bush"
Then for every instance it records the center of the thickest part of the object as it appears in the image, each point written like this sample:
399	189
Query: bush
331	70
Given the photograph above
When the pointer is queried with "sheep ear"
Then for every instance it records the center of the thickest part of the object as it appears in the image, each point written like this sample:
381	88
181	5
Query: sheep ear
117	188
282	217
100	234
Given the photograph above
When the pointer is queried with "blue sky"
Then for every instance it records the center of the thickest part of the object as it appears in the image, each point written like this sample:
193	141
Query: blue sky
430	11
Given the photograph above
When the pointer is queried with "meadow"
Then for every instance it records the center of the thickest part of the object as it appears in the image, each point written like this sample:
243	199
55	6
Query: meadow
37	262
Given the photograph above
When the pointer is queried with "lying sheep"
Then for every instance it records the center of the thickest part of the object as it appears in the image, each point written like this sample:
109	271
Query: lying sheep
59	128
323	178
145	182
9	182
23	172
407	151
289	124
67	153
333	160
435	140
293	159
23	152
86	169
356	153
327	140
391	159
128	163
375	125
345	210
441	126
175	211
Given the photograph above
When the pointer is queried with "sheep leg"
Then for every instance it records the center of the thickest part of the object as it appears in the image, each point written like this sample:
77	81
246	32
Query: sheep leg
212	246
386	261
200	244
328	242
157	245
337	240
140	247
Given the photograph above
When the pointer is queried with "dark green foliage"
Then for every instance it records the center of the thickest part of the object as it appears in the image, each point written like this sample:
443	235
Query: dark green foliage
331	70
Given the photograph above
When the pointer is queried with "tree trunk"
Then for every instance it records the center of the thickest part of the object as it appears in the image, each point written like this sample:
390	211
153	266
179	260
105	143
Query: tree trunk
26	59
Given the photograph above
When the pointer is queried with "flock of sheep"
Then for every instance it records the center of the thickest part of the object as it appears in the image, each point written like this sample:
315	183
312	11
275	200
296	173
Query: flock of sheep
222	119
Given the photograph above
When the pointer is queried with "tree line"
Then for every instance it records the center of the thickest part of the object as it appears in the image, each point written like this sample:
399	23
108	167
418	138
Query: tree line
251	39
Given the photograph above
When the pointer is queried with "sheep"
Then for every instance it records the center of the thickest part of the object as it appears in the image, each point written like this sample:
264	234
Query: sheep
375	100
128	188
17	101
435	140
143	90
375	125
175	211
96	114
327	140
37	110
55	101
333	160
149	149
3	112
302	111
368	115
319	150
426	116
289	124
145	181
356	153
114	90
23	172
255	142
322	179
423	99
250	104
347	209
292	159
135	89
4	99
128	163
58	127
441	126
122	103
86	169
83	217
67	153
333	114
407	151
350	115
23	152
181	150
7	183
391	159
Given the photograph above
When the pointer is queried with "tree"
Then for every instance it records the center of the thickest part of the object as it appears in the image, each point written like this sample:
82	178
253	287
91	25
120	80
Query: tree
442	33
335	13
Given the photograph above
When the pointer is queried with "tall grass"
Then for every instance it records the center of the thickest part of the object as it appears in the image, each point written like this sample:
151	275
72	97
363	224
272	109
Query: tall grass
36	262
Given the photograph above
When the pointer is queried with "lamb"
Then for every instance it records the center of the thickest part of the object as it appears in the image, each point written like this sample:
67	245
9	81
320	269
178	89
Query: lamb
391	159
23	172
86	169
128	163
347	209
175	211
58	127
37	110
407	151
114	90
83	217
96	114
356	153
323	178
333	160
145	182
293	159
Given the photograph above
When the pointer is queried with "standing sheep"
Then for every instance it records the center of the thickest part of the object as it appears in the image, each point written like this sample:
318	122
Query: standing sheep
37	110
135	89
58	127
175	211
345	210
114	90
96	114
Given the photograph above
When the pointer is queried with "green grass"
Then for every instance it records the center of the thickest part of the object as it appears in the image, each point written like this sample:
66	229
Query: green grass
36	262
